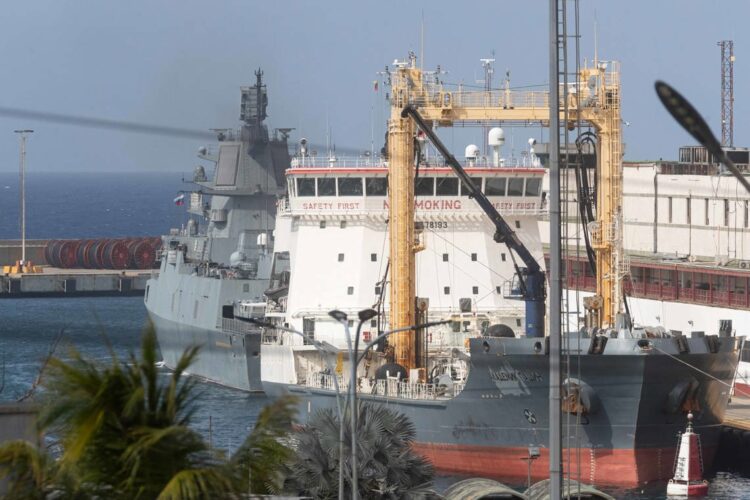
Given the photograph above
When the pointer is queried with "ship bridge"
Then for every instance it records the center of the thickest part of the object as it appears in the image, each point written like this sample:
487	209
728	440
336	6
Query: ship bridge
358	187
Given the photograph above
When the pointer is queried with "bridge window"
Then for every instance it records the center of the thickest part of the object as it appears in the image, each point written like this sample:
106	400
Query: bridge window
350	290
475	290
447	290
376	186
447	186
305	187
373	257
495	186
326	186
424	186
476	181
350	186
533	186
515	186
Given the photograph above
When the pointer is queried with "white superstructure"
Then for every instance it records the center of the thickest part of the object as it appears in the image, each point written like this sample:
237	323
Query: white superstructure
331	247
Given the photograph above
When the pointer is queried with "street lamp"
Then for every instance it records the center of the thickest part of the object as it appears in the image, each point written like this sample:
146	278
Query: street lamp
22	175
687	116
324	348
354	360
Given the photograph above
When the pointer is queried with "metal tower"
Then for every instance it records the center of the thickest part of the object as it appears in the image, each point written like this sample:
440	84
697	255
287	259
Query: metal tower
727	92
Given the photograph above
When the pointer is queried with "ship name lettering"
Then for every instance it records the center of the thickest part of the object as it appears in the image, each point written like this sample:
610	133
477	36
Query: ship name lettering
515	376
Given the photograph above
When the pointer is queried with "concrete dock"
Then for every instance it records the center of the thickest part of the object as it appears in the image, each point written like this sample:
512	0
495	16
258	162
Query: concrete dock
53	282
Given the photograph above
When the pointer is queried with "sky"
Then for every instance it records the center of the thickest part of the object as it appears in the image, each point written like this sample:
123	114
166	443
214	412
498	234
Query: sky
181	63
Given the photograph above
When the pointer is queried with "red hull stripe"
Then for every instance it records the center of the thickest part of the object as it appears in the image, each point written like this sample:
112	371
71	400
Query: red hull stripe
613	467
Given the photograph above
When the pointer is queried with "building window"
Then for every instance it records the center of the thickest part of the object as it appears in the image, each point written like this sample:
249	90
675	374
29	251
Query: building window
447	186
473	257
424	186
350	186
373	257
494	186
341	257
706	211
669	209
376	186
515	186
475	290
688	210
305	187
447	290
308	328
726	212
350	290
445	257
518	322
326	186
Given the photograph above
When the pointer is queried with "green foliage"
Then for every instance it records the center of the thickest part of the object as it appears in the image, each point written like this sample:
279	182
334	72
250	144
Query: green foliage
387	467
124	430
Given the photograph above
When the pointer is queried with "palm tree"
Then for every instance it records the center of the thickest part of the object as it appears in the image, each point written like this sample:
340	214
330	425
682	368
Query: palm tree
387	467
125	433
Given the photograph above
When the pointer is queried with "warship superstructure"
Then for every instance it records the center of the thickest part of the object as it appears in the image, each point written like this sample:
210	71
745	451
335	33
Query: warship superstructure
477	389
224	252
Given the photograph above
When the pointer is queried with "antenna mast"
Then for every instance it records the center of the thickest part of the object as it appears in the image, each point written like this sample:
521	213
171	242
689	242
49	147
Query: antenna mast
727	92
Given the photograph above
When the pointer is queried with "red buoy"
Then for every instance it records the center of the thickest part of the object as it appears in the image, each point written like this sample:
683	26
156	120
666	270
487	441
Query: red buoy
688	468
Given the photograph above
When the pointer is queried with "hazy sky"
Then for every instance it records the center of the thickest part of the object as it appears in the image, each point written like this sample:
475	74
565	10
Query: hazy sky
181	63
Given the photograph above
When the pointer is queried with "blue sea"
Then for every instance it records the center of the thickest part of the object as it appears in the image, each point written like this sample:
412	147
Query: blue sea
86	205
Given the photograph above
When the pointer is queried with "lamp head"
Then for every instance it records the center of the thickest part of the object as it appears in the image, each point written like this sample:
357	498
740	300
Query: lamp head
366	314
338	315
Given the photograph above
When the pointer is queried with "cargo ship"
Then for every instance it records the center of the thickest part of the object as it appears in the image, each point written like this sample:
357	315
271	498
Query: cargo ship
351	233
224	252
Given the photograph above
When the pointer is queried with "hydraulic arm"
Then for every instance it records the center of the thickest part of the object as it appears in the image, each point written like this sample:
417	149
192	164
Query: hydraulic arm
531	277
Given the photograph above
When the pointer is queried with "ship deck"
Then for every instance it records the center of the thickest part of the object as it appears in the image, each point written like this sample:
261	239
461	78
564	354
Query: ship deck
738	413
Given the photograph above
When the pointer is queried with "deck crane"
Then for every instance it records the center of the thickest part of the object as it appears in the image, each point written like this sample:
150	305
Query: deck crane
531	278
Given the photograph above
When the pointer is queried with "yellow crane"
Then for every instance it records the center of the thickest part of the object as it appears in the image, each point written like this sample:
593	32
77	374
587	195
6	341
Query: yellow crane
593	99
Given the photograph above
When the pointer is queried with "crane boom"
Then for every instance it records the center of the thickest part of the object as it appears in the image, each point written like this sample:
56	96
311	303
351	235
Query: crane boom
531	278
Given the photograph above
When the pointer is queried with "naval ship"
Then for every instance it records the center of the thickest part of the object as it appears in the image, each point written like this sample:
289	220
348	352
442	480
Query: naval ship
224	252
402	238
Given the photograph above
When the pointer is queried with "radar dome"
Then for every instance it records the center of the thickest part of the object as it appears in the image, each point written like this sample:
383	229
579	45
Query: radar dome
471	151
496	137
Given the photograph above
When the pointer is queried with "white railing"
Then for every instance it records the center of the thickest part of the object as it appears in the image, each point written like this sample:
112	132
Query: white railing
237	326
390	387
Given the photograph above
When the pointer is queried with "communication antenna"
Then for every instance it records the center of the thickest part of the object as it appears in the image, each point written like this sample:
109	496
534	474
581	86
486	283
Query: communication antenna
727	92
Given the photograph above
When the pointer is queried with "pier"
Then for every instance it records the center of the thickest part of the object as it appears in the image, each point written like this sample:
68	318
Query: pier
734	447
54	282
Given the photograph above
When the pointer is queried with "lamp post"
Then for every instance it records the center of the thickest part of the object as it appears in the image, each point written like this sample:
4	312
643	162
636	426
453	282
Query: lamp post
322	347
354	360
22	175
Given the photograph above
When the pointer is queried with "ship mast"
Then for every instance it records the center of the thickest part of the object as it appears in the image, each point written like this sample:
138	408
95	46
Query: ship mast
401	199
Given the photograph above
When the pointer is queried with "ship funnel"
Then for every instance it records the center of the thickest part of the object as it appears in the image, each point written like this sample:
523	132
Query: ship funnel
471	153
496	139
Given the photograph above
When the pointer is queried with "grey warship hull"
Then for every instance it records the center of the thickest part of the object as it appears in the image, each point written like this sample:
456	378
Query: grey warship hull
220	260
636	397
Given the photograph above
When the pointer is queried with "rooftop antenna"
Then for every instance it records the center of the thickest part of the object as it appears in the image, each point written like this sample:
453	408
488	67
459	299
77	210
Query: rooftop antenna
596	40
488	72
421	44
727	92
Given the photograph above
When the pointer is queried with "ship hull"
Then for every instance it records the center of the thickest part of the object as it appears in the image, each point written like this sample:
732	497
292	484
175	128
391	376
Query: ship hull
229	359
637	406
